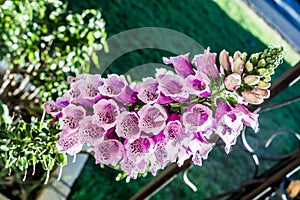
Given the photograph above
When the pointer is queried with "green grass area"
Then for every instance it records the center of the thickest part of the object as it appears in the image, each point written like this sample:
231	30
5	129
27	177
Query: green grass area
257	26
211	24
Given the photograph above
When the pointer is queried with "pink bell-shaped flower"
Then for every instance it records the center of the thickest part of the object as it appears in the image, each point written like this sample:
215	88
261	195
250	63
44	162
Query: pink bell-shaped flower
109	152
152	119
181	64
105	113
206	63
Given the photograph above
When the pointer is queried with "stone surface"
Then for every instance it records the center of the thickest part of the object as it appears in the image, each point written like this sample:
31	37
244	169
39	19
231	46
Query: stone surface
59	190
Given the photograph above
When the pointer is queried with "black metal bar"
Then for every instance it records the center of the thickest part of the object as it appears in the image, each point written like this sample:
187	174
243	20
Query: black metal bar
271	178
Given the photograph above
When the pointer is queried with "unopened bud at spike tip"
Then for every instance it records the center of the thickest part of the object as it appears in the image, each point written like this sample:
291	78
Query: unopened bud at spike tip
254	58
224	60
267	78
244	56
249	66
251	79
270	72
261	63
262	71
263	85
236	55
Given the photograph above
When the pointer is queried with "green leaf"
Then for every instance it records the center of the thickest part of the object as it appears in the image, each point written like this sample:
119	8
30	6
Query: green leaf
61	159
95	59
4	117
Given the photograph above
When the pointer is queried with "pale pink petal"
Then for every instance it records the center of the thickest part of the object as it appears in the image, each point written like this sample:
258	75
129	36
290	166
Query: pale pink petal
197	118
89	132
105	113
233	82
127	96
181	64
199	84
174	86
128	126
109	152
251	97
52	108
138	149
71	115
113	85
152	119
206	63
249	118
251	79
265	93
69	142
148	90
161	72
130	167
224	60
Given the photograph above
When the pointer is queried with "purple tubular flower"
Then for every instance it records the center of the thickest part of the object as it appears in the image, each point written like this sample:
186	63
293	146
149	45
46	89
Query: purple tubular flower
74	92
174	132
69	142
238	65
228	124
199	151
224	60
130	167
251	79
71	115
161	72
89	93
159	158
138	149
72	79
137	156
113	86
199	84
197	118
89	132
249	118
181	64
233	82
117	87
127	96
52	108
109	152
264	93
128	126
148	90
105	113
251	97
206	63
84	87
152	119
173	86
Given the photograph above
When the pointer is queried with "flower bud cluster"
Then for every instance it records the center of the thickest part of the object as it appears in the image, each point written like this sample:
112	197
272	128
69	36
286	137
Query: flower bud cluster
251	78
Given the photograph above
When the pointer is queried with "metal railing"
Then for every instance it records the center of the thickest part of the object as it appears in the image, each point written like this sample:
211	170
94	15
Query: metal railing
260	186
